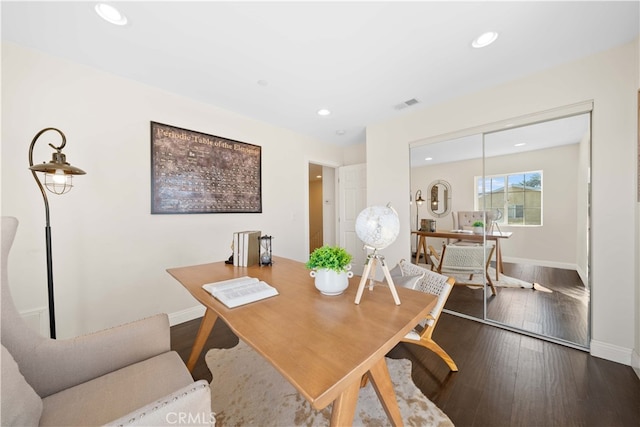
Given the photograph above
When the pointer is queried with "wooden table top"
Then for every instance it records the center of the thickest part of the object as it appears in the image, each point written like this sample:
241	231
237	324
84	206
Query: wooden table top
320	344
464	236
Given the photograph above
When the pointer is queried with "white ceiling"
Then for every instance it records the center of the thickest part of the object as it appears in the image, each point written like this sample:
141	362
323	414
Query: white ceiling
538	136
358	59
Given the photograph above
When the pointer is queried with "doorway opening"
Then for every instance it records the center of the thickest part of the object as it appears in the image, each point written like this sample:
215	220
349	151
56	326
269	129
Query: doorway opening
322	206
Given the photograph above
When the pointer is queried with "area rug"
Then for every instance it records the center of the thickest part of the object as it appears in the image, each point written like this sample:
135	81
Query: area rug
503	282
247	391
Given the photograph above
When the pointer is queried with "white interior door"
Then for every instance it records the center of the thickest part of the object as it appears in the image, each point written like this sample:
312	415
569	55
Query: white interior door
352	193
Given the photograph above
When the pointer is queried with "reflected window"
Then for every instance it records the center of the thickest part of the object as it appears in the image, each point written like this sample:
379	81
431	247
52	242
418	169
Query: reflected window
519	195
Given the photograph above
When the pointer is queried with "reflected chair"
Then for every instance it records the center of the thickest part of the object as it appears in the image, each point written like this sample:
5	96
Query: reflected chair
462	260
125	375
440	286
467	218
464	220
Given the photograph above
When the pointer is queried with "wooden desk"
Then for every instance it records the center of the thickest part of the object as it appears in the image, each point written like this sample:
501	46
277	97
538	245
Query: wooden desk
322	345
496	236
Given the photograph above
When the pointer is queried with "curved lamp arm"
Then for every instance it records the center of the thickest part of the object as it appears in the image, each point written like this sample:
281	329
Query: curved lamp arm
33	172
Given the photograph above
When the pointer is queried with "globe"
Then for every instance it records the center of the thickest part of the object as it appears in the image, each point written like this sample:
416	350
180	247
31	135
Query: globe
378	226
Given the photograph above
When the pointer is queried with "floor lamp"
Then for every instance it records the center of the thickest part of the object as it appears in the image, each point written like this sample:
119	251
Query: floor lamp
419	202
58	174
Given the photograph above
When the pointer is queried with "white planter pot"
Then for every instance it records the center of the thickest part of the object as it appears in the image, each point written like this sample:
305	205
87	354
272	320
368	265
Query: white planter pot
329	282
478	230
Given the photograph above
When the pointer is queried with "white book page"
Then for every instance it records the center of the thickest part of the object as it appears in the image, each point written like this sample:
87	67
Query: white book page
239	291
226	284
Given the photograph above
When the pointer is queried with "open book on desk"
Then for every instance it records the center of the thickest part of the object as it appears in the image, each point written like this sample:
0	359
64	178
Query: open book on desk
240	291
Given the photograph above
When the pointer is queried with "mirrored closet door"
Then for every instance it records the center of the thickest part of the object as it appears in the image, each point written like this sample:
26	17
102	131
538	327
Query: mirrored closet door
530	186
454	162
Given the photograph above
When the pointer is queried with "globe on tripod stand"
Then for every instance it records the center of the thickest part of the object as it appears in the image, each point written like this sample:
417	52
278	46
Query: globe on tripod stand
377	227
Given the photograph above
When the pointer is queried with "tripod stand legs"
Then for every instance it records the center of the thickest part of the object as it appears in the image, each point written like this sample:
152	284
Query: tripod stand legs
369	273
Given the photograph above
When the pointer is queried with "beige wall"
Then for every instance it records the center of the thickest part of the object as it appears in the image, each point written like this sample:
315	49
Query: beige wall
355	154
610	79
110	253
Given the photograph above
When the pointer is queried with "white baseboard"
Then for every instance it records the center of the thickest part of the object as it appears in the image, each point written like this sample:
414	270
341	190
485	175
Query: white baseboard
541	262
611	352
635	362
186	315
583	276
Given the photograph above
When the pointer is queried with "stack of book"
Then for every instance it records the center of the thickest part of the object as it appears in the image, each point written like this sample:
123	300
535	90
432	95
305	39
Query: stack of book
246	248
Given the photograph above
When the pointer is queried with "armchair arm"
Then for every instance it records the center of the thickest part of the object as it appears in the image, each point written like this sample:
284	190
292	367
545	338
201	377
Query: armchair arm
55	365
189	406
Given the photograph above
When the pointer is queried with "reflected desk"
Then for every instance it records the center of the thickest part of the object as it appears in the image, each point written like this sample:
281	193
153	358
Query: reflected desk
495	236
322	345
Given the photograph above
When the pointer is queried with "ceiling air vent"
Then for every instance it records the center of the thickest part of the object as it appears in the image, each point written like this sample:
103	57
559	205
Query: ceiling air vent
407	103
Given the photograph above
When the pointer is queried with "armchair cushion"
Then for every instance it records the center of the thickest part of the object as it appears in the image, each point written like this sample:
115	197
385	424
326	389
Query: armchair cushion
407	281
400	278
21	406
106	398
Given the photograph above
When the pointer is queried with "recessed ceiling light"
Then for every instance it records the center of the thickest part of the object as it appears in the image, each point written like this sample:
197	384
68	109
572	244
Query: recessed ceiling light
110	14
341	132
428	158
520	144
324	112
485	39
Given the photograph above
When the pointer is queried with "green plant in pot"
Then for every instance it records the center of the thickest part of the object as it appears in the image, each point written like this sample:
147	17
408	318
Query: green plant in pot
478	227
330	267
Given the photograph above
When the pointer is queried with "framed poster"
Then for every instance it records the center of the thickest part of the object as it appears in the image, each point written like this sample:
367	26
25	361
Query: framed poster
192	172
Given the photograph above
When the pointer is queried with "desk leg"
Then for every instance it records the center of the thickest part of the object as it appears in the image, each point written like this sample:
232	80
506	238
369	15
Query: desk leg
499	267
381	381
344	407
422	247
206	325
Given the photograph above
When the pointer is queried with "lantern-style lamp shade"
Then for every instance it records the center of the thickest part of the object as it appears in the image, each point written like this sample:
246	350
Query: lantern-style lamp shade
58	173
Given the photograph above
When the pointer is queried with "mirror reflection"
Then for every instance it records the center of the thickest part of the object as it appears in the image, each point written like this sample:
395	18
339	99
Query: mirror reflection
439	197
528	190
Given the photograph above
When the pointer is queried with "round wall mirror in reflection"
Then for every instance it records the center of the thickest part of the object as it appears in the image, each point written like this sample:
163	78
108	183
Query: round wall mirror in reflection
439	202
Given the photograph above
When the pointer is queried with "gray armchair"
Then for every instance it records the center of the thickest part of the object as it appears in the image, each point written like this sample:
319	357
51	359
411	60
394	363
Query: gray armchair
126	375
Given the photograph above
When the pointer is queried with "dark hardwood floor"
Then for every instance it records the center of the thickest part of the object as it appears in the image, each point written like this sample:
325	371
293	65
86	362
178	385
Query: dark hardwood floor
559	309
505	379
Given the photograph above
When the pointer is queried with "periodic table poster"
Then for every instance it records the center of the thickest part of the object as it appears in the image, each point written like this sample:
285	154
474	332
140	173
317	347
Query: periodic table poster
192	172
